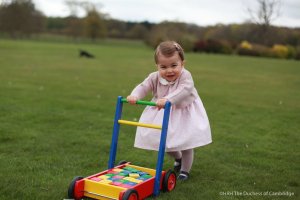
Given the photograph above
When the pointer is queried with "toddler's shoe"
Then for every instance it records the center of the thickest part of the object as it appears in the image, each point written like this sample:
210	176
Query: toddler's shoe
183	176
177	165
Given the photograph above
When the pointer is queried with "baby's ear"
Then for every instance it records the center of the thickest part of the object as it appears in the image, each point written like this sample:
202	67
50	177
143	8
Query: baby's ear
183	62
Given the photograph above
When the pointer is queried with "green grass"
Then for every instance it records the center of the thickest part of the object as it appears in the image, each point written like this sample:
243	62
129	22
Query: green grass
56	118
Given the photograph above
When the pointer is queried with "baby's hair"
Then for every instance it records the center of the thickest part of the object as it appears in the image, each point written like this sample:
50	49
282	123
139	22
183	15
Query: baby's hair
167	49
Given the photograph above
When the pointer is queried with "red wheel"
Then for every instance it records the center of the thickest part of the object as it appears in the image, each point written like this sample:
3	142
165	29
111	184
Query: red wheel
71	190
130	194
169	181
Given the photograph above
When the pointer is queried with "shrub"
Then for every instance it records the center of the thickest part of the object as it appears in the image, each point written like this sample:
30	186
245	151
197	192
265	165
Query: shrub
246	48
187	42
247	52
227	47
263	51
200	46
245	45
297	56
280	51
213	46
291	52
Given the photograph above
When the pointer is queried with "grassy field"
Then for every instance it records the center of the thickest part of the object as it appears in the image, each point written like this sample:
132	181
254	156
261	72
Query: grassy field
56	118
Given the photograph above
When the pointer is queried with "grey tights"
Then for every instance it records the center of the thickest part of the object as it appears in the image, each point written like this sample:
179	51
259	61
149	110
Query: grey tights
187	157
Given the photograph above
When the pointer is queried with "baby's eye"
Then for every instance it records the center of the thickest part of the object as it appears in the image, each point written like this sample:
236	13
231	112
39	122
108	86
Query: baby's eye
163	67
174	65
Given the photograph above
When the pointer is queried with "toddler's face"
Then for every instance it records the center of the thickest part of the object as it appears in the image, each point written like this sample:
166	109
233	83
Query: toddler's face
169	68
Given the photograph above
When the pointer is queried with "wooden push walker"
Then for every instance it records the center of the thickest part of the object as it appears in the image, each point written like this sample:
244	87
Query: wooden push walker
126	181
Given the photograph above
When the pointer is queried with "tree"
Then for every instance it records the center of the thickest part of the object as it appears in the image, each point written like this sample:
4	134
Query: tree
74	27
171	31
94	25
267	11
116	28
56	25
74	23
138	31
73	6
19	18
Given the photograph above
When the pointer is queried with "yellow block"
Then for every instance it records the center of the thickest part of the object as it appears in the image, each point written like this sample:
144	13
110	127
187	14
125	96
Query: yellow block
136	181
103	177
128	178
139	124
105	181
134	175
117	170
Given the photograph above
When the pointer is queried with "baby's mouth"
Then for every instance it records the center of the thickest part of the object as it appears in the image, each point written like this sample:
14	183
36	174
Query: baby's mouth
170	76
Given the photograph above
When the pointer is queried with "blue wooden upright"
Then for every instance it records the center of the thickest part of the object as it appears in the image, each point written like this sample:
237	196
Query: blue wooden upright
115	134
162	146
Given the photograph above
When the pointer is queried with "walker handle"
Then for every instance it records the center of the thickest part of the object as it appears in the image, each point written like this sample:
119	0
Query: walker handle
147	103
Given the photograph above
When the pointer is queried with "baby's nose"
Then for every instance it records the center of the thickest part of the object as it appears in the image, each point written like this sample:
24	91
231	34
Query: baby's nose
169	69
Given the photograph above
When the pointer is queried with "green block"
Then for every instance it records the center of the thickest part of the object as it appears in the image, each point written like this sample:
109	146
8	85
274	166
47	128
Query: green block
146	176
110	175
122	174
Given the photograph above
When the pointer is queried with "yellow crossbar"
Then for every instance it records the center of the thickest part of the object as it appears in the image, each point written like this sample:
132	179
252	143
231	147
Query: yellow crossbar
138	124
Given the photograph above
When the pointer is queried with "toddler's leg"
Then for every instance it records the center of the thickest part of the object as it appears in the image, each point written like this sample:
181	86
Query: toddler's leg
186	165
177	156
187	160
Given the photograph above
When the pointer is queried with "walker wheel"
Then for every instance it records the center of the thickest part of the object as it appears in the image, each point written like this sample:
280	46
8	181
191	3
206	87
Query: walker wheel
169	181
130	194
122	162
71	189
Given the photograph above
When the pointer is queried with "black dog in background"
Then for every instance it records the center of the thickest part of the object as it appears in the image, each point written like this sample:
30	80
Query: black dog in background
83	53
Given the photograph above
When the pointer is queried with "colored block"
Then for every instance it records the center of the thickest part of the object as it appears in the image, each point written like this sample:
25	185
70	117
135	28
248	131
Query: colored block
142	173
141	178
127	178
147	176
117	170
112	172
123	174
118	177
115	179
110	175
123	181
131	183
134	175
130	169
105	181
136	181
125	186
116	183
96	179
103	177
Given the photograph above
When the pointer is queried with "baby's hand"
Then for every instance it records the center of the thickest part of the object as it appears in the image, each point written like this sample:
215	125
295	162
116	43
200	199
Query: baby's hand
160	103
131	99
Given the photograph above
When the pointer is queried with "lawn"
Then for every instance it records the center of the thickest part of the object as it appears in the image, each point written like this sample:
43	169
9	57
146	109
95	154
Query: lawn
57	110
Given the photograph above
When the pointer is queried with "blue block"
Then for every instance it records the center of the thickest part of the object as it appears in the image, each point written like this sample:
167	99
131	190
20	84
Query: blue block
142	173
131	183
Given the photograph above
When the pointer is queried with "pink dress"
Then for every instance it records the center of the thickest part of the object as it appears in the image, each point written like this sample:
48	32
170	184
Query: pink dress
188	124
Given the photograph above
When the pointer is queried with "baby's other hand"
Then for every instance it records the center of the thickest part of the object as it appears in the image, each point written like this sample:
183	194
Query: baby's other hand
131	99
160	103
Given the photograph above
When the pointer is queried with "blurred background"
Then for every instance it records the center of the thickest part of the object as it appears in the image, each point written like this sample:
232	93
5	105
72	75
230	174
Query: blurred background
265	28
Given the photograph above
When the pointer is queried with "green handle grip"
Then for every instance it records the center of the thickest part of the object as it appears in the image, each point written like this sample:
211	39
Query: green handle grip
147	103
